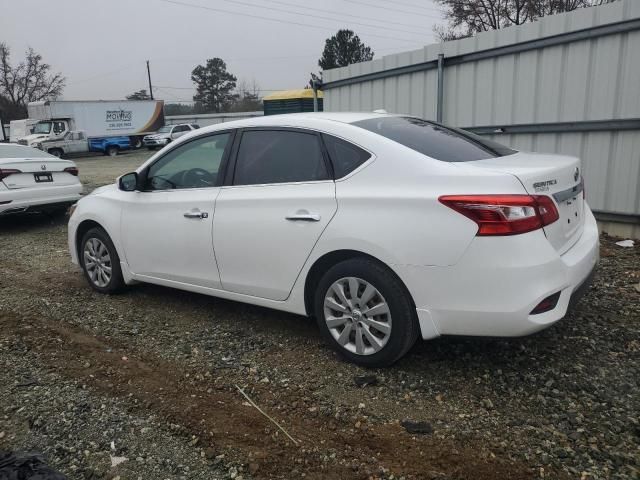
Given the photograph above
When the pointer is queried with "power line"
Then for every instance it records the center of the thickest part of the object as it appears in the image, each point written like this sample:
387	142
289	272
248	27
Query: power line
385	21
390	9
276	9
278	20
431	8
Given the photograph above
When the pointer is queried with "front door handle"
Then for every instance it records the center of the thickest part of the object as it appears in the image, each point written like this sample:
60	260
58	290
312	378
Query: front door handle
303	217
196	214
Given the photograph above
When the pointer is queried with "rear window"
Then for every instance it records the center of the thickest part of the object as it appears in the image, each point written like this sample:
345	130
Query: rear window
19	151
435	140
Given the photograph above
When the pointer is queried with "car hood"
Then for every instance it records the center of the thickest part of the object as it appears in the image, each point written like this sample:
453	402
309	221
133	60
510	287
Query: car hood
157	136
34	136
104	189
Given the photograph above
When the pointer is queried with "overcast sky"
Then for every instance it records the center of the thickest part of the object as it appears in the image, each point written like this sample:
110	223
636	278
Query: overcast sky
101	46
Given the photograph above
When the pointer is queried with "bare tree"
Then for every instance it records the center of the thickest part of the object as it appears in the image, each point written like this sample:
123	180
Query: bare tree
468	17
29	81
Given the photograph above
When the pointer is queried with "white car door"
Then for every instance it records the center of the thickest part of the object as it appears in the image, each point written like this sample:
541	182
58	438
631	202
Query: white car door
178	131
167	228
268	220
78	142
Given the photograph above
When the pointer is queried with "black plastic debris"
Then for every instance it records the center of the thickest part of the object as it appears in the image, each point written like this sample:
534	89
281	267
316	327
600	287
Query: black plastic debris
366	380
420	428
26	466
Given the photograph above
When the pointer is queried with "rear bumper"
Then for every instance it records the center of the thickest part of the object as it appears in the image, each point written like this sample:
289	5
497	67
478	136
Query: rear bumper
35	199
499	281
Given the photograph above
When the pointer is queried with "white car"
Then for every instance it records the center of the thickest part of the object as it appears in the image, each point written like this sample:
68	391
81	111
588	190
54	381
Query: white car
383	227
167	134
32	180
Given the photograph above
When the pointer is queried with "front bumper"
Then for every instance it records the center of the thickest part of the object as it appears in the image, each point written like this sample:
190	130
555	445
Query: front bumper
499	281
155	142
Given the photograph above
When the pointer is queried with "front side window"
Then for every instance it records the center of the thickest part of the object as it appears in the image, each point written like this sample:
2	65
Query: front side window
194	164
435	140
59	127
277	156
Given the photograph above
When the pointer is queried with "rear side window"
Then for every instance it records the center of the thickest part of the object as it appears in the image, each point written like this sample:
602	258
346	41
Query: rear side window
435	140
345	156
277	156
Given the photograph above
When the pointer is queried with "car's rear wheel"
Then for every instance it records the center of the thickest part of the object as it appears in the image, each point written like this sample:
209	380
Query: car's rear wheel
365	312
56	152
136	142
100	262
112	151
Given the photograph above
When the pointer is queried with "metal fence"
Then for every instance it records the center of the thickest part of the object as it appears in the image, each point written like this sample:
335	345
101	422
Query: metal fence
568	84
210	118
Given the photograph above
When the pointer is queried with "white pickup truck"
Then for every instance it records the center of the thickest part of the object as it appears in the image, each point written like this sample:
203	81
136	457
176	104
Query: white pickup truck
76	142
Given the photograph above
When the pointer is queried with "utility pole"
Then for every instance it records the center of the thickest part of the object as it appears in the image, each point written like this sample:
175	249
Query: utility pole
149	75
316	84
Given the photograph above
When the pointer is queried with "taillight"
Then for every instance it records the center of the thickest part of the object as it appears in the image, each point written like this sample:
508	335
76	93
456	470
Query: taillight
72	170
5	172
504	214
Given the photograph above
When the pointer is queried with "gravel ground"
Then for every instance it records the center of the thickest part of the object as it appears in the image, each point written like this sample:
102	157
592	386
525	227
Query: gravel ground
145	384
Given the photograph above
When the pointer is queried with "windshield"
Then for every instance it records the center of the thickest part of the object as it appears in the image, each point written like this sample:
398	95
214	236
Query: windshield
165	129
435	140
42	127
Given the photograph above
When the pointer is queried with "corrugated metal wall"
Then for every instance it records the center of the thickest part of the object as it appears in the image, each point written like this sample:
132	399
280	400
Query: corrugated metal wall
592	75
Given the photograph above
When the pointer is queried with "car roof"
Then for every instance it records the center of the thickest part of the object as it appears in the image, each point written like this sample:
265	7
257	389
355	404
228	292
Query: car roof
293	119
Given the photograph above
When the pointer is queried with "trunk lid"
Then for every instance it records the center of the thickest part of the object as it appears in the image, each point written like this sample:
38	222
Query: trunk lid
557	176
37	167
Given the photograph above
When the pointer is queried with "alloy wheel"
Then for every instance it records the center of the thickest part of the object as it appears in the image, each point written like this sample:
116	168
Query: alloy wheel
357	315
97	262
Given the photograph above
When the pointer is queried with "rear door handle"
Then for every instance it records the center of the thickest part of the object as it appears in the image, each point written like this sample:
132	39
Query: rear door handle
303	217
196	214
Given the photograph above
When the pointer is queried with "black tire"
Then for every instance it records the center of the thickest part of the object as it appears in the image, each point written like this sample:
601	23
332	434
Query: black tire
404	321
56	152
136	142
111	151
116	282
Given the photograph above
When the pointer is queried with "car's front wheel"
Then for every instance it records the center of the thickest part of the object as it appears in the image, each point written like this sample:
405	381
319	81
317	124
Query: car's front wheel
100	262
365	312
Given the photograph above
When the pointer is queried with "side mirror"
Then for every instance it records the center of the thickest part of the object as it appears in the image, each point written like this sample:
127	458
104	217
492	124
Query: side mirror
128	182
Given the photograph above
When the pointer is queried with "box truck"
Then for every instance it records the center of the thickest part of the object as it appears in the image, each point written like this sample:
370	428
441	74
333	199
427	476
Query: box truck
107	126
20	128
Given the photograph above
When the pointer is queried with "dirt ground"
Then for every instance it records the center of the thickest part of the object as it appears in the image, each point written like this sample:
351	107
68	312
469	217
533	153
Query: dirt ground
145	384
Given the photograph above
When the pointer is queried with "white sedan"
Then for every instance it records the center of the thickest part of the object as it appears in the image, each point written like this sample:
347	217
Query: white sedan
382	227
32	180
